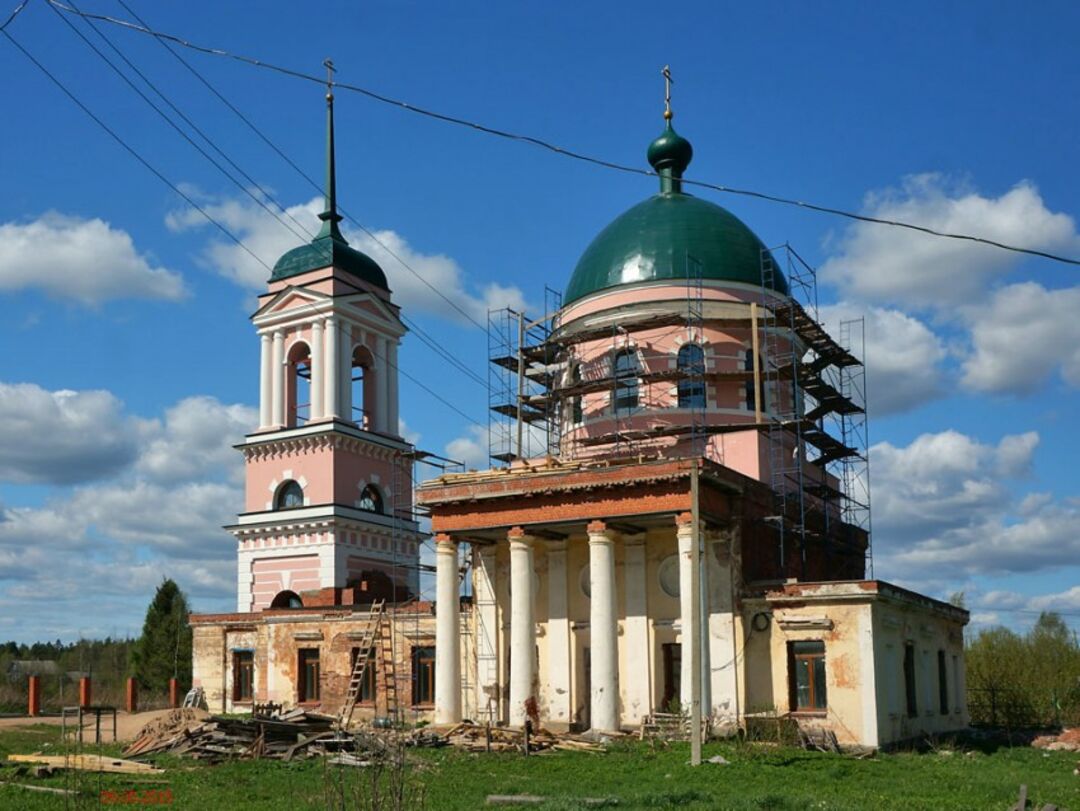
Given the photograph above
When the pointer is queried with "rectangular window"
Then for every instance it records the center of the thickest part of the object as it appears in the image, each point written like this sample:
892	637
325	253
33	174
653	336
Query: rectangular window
243	675
909	680
423	668
307	683
367	684
943	683
807	668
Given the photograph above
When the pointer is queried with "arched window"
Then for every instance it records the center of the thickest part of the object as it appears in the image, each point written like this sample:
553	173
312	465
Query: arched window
371	500
626	370
289	496
691	365
287	599
362	382
577	414
298	385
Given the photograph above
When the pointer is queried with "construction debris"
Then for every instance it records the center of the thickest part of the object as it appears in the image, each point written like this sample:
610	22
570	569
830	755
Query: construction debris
88	763
217	737
1067	741
477	738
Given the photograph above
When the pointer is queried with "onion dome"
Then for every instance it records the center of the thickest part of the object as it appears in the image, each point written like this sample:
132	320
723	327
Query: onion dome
671	236
329	247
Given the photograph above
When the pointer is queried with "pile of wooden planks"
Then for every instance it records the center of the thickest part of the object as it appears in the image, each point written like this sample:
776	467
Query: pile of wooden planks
219	737
482	738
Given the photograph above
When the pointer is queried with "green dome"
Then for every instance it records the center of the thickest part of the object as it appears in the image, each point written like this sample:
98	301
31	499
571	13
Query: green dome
668	235
327	250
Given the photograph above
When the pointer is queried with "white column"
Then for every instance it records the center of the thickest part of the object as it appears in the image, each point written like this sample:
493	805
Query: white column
392	388
722	632
382	406
686	616
266	386
603	631
557	680
277	380
318	388
332	403
522	625
447	636
639	675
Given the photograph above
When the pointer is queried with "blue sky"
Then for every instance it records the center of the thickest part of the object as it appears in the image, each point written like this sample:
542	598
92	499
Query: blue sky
131	367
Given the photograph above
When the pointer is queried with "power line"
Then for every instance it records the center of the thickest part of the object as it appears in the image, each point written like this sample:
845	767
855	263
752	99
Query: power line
131	149
568	153
168	120
163	41
305	235
14	14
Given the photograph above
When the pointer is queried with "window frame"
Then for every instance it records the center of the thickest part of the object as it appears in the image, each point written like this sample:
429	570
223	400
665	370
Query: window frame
304	693
806	658
284	490
422	658
626	392
366	696
243	672
689	391
910	684
376	499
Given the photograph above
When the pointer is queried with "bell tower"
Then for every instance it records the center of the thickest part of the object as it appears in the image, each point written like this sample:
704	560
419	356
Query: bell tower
328	478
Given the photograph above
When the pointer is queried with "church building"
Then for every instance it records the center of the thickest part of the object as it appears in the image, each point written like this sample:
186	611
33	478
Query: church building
699	510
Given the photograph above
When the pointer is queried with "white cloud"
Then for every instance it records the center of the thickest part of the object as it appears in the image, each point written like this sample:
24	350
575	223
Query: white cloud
63	437
87	261
269	239
903	357
1068	600
197	437
471	448
947	503
887	264
1021	336
944	480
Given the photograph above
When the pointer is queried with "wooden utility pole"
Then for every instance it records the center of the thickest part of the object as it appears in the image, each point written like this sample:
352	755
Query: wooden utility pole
695	617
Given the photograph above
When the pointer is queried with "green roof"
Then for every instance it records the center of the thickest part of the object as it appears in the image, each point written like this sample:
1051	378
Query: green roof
326	251
670	236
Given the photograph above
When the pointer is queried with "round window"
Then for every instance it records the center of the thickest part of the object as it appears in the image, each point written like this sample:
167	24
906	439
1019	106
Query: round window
668	574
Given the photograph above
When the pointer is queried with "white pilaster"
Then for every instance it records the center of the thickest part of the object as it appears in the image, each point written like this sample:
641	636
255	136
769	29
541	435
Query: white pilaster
603	631
522	625
392	388
318	387
277	380
558	682
266	374
639	672
382	405
722	633
447	636
328	561
487	633
332	363
688	630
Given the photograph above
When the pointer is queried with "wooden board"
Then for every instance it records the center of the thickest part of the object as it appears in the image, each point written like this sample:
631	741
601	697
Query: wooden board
88	763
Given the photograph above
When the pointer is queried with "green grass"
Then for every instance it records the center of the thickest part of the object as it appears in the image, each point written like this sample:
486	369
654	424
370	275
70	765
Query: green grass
637	776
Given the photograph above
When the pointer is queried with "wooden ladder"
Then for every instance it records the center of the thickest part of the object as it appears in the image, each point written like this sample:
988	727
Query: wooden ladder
376	615
388	673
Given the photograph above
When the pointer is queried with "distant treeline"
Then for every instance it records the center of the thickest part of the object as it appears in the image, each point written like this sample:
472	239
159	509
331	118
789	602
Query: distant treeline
162	652
1031	679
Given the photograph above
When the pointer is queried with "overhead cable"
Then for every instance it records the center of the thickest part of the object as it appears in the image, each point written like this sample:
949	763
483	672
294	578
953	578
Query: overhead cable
568	153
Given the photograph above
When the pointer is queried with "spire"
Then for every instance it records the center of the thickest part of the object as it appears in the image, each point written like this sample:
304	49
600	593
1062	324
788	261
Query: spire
330	216
669	154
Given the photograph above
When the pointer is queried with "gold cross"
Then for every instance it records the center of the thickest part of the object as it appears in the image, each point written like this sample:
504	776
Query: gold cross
668	82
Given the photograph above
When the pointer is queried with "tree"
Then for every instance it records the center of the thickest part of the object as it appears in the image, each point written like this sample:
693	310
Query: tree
164	649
